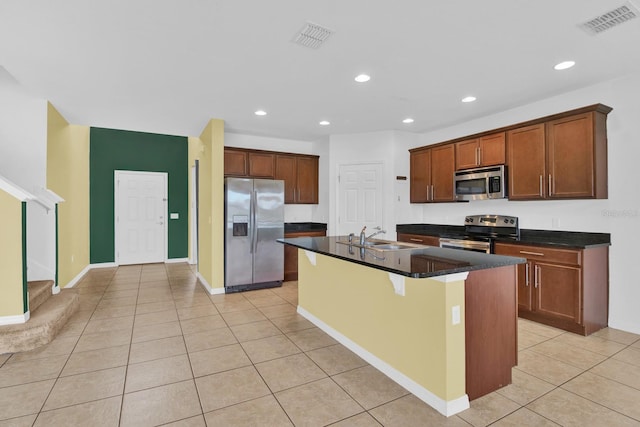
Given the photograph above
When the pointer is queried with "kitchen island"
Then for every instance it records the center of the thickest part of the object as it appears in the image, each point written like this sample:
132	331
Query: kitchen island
440	322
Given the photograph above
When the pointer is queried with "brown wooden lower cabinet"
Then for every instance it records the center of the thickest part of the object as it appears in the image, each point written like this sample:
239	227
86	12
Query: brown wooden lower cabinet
563	288
419	239
491	340
291	253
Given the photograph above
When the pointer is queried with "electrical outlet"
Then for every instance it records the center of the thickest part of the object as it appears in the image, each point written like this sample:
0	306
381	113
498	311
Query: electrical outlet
455	314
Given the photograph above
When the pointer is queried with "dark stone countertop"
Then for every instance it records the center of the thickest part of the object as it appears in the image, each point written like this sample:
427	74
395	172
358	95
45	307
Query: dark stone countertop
293	227
426	261
567	239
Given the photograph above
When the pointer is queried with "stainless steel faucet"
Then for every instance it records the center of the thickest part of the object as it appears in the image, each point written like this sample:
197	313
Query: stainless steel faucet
380	231
363	236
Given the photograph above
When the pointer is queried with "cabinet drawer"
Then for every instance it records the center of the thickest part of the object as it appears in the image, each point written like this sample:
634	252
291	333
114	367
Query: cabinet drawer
419	239
540	253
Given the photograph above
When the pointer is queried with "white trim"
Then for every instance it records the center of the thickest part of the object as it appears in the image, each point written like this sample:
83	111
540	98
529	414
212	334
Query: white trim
103	265
55	289
15	320
445	407
14	190
79	276
176	260
208	287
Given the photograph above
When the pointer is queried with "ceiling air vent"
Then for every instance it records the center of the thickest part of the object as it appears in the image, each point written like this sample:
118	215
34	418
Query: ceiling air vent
312	35
610	19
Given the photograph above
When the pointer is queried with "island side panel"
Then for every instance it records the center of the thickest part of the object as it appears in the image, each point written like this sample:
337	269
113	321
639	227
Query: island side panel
491	329
414	333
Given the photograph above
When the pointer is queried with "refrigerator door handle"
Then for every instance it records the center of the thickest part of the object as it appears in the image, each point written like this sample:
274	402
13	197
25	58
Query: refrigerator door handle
254	230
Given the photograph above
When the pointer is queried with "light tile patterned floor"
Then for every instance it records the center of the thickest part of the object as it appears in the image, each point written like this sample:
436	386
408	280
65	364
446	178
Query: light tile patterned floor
150	347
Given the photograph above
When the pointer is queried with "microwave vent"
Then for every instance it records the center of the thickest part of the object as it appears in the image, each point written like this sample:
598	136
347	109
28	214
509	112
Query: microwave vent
312	35
610	19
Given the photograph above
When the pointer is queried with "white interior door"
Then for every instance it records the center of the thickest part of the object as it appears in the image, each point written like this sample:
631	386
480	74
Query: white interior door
140	217
359	197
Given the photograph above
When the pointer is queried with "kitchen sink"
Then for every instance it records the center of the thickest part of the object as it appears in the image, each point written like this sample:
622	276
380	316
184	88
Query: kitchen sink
392	247
381	245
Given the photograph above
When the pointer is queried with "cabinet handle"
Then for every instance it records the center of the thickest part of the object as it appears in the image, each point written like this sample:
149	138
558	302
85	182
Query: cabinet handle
550	192
478	156
526	274
416	240
531	253
540	186
536	280
433	193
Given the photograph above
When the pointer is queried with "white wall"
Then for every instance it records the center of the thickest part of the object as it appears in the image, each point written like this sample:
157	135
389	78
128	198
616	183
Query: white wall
23	160
293	213
618	215
373	147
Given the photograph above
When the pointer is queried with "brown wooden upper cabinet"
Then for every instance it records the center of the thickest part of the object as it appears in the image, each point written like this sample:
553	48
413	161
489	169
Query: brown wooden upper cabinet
299	171
563	158
431	174
300	175
262	165
486	150
235	162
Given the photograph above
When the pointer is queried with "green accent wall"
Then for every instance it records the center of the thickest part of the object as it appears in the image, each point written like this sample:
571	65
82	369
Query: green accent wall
25	291
111	150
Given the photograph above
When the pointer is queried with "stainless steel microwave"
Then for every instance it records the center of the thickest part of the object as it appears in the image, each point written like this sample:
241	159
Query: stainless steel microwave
481	183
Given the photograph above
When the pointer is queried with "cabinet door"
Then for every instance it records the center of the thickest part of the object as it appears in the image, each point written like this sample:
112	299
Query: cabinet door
261	165
492	149
571	157
235	163
420	176
286	171
467	155
291	254
442	170
557	289
307	180
526	163
525	296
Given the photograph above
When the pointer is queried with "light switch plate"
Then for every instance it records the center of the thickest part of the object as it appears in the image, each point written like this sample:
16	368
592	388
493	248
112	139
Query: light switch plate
174	215
455	315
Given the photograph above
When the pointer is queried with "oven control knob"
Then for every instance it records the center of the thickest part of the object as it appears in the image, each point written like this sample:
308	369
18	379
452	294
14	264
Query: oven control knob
506	220
512	221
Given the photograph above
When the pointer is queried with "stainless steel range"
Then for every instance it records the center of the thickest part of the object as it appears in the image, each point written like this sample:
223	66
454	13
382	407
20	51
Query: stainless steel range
481	231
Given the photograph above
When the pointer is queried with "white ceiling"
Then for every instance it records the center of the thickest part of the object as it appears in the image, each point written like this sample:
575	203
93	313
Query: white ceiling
168	66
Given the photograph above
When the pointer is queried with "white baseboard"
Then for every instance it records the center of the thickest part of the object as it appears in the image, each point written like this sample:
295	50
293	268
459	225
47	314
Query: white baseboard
55	289
14	320
103	265
207	286
78	277
175	260
446	408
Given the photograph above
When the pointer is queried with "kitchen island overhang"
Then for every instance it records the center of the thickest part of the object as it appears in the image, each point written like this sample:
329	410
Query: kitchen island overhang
402	311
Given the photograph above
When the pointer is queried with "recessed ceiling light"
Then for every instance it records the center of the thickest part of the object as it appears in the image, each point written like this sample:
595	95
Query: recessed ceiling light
408	120
260	113
325	123
564	65
468	99
361	78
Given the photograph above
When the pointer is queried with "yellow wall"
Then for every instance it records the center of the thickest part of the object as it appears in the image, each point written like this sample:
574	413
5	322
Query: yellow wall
68	176
11	302
412	333
209	150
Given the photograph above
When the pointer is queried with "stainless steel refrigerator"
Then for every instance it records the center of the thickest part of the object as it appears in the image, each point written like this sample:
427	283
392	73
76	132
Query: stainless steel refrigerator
254	219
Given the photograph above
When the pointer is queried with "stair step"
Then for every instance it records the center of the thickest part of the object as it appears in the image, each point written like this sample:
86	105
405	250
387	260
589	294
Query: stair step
39	292
43	325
